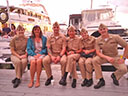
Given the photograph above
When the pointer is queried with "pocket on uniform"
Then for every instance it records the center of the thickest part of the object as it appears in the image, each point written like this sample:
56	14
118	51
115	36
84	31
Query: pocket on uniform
60	41
52	41
112	42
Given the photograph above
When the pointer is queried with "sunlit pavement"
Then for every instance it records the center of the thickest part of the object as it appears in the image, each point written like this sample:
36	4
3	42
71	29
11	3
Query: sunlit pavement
6	87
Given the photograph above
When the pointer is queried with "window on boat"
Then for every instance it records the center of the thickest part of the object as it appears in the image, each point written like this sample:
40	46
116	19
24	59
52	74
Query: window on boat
111	13
76	21
38	16
41	17
30	13
42	11
103	15
12	9
45	28
35	15
49	22
25	12
16	11
3	9
90	16
22	11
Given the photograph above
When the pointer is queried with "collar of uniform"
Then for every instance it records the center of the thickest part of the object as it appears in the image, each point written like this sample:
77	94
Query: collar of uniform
55	36
18	37
74	37
89	38
110	37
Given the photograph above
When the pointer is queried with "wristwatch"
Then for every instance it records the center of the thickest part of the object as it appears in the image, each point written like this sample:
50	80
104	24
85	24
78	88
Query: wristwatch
124	58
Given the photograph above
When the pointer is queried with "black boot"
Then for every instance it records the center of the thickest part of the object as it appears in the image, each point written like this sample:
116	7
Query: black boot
63	81
99	84
48	81
84	82
74	83
17	82
115	81
14	80
89	83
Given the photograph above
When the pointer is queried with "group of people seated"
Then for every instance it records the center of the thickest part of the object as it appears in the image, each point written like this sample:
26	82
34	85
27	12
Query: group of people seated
88	51
7	31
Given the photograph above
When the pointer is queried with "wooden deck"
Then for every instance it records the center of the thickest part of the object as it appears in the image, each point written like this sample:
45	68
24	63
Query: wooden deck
6	87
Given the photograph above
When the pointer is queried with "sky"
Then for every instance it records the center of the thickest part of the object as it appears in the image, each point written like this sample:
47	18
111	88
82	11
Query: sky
59	10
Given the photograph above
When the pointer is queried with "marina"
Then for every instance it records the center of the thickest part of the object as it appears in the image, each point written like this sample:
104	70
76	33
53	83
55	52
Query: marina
30	14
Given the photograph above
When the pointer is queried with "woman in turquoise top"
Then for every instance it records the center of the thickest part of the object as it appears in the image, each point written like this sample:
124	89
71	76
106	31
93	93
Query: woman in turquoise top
36	49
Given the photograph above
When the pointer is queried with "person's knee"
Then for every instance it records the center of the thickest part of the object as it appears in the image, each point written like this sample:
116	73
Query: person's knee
32	63
39	61
25	61
95	61
81	64
63	61
18	62
70	57
81	61
45	61
88	64
88	61
123	69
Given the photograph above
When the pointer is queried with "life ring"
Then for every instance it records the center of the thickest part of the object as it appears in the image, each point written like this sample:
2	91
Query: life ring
3	17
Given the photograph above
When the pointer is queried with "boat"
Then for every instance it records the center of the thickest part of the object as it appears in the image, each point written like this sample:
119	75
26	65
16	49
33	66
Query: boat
63	28
28	15
92	18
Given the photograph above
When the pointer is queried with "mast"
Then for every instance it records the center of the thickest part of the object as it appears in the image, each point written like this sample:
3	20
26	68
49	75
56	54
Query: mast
8	13
91	4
